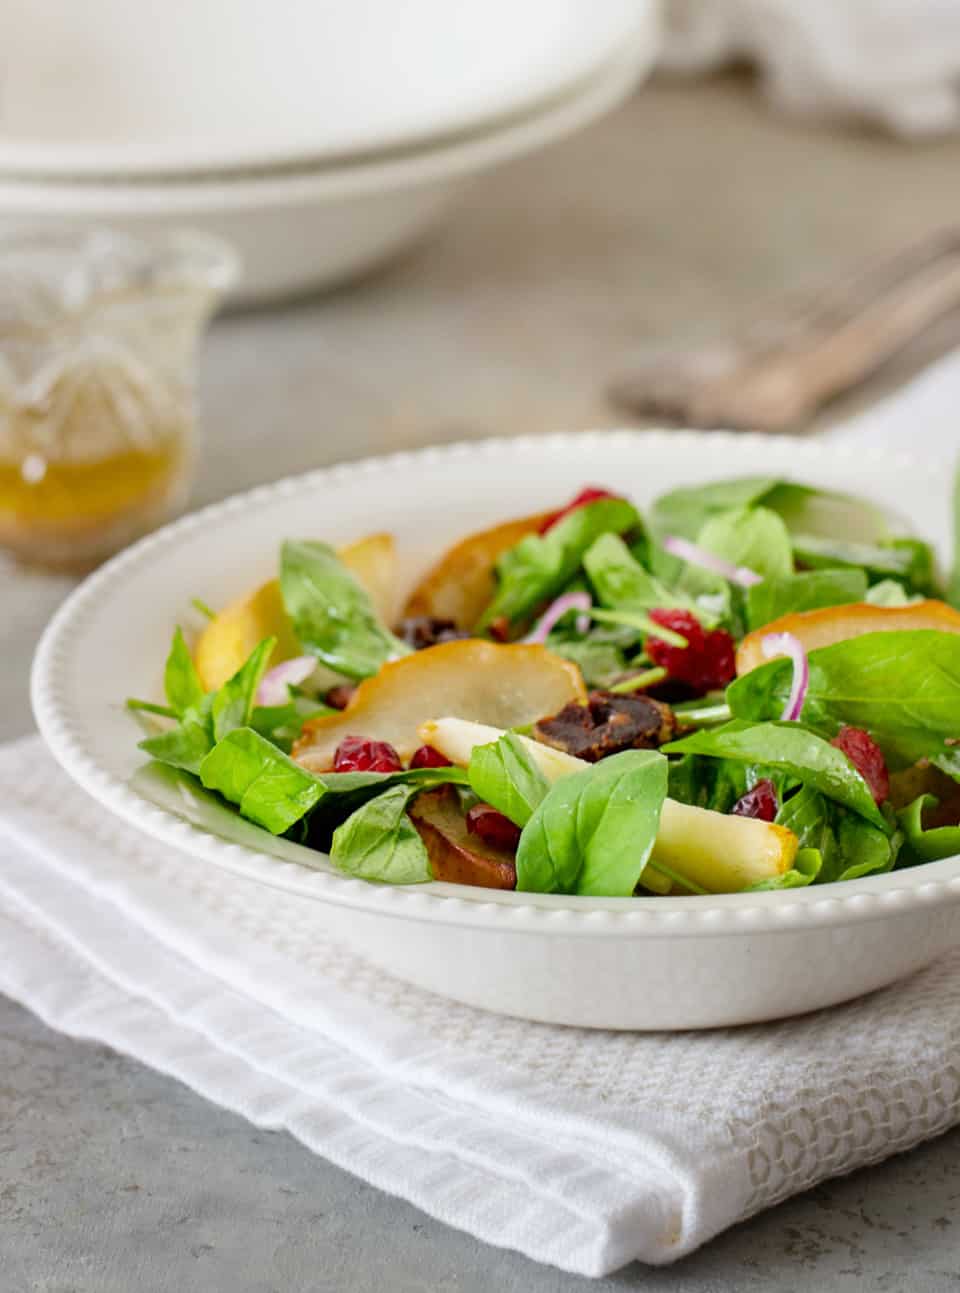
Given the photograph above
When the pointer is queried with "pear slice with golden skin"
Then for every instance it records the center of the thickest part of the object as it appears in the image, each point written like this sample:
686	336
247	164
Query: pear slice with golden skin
227	641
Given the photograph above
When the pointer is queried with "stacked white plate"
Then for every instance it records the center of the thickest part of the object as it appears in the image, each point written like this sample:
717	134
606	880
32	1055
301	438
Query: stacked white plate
319	136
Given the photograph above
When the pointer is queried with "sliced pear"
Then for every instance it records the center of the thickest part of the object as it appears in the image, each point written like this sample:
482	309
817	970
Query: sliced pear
508	686
719	853
832	624
461	585
226	642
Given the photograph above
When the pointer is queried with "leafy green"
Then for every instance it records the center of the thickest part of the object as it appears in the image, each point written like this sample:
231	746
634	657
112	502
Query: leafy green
948	761
265	784
274	791
890	592
600	662
379	841
769	600
791	749
953	590
540	566
184	746
808	815
848	846
753	537
621	582
909	561
716	784
901	686
332	615
233	703
181	682
504	774
803	508
923	844
805	870
594	830
282	724
863	849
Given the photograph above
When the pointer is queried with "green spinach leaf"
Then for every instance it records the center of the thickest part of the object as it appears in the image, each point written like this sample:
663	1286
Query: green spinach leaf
753	537
600	662
181	682
233	703
925	844
890	592
541	566
805	870
910	561
332	615
901	686
790	594
380	842
594	831
264	783
792	749
504	774
184	746
619	581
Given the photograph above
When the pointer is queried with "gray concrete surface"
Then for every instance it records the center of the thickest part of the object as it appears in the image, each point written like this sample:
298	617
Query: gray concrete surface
674	217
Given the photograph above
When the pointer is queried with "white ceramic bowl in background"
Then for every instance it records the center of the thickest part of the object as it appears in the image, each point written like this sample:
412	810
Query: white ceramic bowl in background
616	962
301	230
114	88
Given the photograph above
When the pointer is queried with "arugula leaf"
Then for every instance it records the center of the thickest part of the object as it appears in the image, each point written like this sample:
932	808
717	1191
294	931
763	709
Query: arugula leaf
792	749
265	784
620	581
181	682
910	561
504	774
540	566
805	870
379	841
902	686
803	508
332	615
233	703
753	537
953	591
594	830
769	600
923	844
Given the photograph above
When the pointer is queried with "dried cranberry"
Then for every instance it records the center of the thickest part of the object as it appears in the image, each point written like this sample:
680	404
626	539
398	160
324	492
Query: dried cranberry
760	802
591	494
358	754
339	697
499	629
427	757
706	663
867	757
492	827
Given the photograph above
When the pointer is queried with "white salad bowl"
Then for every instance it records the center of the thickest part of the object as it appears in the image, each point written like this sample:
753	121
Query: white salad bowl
637	963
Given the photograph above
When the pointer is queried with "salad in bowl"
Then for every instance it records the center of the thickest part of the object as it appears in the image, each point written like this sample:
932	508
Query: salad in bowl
753	686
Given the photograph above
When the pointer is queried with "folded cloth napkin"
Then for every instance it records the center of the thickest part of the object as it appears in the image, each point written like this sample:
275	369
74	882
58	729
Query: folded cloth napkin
581	1149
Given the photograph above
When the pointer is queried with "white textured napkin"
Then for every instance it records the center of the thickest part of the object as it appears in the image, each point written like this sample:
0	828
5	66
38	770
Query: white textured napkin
581	1149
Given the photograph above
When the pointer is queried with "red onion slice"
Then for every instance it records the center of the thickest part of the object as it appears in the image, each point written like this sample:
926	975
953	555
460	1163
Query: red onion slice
698	556
275	683
556	610
785	644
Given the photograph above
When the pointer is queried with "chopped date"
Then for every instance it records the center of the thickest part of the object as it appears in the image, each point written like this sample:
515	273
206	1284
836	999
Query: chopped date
607	724
421	631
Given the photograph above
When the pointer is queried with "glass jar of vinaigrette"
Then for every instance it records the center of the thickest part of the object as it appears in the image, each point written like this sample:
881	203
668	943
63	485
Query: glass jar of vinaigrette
99	334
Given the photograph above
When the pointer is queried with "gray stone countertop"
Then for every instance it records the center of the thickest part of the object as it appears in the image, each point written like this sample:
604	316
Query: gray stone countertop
674	217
